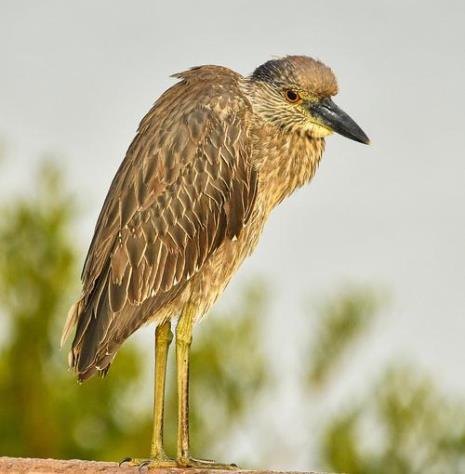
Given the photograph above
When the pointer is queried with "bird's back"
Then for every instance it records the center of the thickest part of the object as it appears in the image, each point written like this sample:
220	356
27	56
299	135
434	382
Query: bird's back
185	185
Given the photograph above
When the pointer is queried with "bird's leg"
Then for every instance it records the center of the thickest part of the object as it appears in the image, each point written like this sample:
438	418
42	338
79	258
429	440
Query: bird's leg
163	338
183	343
158	457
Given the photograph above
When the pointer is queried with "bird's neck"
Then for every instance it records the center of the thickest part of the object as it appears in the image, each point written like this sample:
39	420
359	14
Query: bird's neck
286	161
286	157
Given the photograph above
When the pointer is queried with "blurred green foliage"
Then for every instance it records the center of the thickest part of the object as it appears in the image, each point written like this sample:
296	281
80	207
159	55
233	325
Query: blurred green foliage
43	413
341	321
403	424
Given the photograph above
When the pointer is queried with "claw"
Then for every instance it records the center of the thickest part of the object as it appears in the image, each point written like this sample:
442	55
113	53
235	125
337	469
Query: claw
159	461
143	464
125	460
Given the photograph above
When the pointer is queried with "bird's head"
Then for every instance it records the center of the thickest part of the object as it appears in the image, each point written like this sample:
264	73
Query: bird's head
294	93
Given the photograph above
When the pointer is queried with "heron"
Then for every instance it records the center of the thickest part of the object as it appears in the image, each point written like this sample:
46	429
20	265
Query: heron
216	153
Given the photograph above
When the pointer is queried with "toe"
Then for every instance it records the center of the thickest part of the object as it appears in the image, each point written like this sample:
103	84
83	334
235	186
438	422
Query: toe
204	464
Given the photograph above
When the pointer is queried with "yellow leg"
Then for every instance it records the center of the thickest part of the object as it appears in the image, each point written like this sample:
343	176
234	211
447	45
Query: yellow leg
163	338
158	457
183	344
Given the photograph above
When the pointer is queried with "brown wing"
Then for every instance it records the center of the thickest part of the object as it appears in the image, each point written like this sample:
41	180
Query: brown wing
185	185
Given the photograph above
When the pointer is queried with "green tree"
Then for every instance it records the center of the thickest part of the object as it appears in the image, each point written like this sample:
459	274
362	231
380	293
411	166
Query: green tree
404	424
43	413
414	429
341	321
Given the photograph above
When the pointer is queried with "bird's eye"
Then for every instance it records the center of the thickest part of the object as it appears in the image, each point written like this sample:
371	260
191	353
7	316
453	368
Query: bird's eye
292	96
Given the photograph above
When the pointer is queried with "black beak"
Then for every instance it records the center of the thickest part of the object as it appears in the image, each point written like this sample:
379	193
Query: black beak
336	119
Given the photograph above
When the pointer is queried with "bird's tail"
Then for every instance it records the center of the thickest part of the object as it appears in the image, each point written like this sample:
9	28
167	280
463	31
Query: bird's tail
100	332
94	346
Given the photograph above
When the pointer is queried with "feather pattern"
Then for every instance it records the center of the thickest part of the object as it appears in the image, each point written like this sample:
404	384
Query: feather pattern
186	185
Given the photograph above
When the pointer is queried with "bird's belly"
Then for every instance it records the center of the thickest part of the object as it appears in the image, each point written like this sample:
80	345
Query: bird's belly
210	282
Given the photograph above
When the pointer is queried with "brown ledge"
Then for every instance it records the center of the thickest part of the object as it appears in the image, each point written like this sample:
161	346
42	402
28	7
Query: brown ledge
54	466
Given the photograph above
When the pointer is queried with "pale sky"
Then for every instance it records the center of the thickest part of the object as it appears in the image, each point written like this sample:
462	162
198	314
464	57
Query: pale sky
76	78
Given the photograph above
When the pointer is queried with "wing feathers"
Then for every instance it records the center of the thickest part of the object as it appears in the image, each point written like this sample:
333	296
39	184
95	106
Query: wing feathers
186	184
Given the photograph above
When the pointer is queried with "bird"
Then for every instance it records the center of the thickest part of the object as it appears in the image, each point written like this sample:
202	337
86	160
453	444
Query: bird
216	153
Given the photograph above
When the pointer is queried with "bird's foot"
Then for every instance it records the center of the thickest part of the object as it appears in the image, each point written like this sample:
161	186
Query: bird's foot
204	464
158	461
163	461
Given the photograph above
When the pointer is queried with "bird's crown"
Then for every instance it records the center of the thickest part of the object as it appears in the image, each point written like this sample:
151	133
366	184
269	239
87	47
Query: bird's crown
302	71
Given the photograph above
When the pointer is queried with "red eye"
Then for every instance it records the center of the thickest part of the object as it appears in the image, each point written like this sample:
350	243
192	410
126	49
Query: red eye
292	96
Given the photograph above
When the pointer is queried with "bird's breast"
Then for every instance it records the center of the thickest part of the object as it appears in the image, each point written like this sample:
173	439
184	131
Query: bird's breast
285	162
